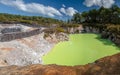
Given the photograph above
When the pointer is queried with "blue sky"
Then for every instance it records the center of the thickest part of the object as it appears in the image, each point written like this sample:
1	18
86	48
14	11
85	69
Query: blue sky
60	9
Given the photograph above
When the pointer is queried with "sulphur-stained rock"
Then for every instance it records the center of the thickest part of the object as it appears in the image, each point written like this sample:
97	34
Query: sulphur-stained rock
106	66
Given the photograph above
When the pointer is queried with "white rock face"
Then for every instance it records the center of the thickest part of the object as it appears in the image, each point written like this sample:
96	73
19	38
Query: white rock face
26	51
55	38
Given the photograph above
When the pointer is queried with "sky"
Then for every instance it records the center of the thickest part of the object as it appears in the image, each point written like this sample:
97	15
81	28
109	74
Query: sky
59	9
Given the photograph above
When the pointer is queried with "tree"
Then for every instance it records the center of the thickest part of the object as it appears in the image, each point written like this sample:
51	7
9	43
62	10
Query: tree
76	18
102	15
93	15
85	16
115	17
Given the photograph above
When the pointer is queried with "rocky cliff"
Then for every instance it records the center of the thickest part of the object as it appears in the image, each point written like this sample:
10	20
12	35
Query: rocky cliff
28	50
106	66
56	37
105	33
24	51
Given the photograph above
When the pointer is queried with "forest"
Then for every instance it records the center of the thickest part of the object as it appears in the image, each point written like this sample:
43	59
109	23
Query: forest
108	18
101	16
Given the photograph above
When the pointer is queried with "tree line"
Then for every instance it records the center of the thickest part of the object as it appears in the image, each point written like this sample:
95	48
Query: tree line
33	20
101	15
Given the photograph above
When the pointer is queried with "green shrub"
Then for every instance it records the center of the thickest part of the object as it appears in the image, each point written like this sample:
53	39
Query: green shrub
59	29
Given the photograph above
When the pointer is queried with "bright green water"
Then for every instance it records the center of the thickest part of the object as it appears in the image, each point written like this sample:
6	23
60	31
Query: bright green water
80	50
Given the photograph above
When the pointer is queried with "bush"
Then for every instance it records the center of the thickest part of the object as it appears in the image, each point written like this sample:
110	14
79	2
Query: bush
59	29
46	35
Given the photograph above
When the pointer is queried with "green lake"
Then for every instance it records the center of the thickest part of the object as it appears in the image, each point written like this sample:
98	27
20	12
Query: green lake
80	49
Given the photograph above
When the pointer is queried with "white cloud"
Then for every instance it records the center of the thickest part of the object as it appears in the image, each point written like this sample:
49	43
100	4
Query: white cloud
104	3
32	7
70	11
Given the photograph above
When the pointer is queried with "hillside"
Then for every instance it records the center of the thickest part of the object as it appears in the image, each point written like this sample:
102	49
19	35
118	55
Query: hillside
33	20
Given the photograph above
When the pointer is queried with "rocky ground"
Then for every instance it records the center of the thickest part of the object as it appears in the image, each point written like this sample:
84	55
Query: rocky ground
56	38
24	51
28	50
106	66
